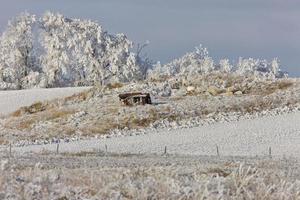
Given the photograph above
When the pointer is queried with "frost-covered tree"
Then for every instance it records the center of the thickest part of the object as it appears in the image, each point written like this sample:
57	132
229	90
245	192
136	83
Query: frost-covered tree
80	52
16	51
64	52
56	59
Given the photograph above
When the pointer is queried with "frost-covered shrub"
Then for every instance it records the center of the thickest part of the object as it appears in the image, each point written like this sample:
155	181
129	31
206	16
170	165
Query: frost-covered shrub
190	64
33	79
225	65
200	63
260	68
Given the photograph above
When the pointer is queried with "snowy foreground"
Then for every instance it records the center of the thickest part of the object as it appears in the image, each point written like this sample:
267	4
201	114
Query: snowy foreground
90	176
251	137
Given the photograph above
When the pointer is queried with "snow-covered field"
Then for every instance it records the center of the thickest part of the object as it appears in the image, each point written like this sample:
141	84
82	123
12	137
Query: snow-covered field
191	164
243	138
12	100
58	145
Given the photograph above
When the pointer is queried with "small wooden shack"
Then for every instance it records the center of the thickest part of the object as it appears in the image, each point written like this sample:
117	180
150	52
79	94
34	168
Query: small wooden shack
137	98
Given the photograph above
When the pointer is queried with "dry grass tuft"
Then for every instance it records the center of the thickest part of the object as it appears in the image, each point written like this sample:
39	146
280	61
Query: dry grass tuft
99	127
58	114
154	182
278	85
34	108
136	122
27	121
17	113
128	121
114	85
160	79
79	97
220	172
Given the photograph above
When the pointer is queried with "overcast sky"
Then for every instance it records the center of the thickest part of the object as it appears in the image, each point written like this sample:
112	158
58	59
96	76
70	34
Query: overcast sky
228	28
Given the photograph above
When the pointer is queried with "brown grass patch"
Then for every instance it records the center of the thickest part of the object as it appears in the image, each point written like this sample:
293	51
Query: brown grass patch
25	122
130	121
134	122
161	78
82	96
3	141
80	154
114	85
265	88
220	172
102	127
140	123
283	85
34	108
57	113
17	113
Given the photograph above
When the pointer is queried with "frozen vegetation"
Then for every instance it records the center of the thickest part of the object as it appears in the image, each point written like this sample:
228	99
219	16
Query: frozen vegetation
56	51
199	62
88	176
252	100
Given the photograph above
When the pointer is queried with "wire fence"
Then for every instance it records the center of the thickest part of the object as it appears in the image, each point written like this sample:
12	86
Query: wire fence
104	149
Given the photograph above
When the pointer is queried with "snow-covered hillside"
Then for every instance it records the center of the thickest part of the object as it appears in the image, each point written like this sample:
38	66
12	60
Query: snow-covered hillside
13	100
248	137
98	112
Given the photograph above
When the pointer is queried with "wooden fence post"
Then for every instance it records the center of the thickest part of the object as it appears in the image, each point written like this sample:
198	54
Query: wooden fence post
57	148
218	153
10	149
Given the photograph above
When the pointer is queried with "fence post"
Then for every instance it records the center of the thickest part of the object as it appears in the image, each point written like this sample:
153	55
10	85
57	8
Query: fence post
10	149
270	152
165	152
218	153
106	149
57	148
